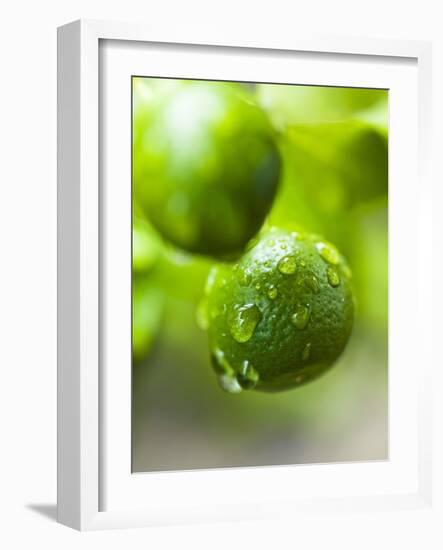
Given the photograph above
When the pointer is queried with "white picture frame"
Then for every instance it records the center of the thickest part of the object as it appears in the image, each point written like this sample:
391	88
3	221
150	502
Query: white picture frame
96	489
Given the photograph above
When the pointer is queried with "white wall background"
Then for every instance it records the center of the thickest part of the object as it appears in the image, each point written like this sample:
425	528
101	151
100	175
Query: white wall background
28	263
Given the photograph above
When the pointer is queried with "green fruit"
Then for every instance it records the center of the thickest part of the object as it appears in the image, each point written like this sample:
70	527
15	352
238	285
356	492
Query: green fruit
146	246
205	166
147	311
282	315
147	299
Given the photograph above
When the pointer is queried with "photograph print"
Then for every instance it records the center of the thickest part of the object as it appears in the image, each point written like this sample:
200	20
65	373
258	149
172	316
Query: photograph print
259	274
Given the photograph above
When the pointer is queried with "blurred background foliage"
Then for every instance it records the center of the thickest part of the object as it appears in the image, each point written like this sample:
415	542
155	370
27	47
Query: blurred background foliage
334	146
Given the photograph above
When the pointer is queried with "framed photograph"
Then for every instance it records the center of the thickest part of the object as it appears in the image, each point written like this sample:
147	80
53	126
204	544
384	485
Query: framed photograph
241	277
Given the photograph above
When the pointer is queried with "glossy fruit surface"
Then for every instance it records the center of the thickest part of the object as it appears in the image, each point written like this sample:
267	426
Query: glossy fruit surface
205	165
282	315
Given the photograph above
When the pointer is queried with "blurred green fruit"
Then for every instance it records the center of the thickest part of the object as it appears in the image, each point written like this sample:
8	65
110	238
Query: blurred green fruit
146	246
147	298
281	316
147	309
205	165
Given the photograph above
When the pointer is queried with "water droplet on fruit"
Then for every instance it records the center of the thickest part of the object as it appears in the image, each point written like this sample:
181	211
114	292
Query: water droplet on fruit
248	377
312	283
272	292
229	383
243	322
287	265
257	286
333	277
226	375
306	352
301	316
244	278
220	363
328	252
